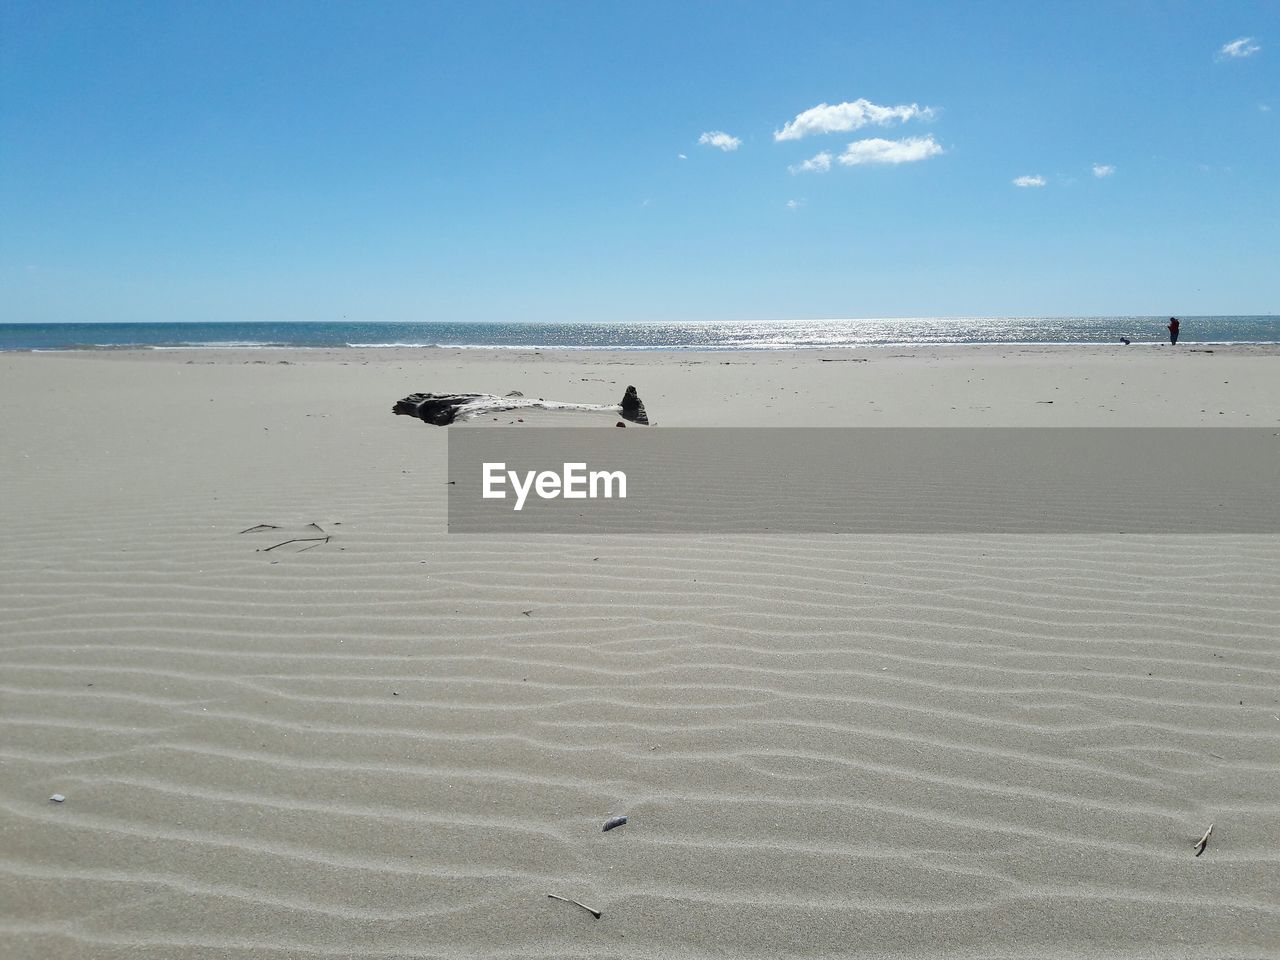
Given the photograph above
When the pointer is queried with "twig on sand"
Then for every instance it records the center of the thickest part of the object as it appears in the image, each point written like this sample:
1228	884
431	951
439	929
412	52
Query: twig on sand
261	526
317	526
1203	841
594	913
324	539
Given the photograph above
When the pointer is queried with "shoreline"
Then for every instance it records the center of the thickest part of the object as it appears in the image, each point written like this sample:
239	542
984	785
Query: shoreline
1010	344
698	336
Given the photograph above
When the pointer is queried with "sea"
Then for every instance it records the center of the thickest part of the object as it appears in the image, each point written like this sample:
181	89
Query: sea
708	335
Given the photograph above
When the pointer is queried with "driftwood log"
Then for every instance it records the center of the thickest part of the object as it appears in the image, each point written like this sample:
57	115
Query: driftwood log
442	409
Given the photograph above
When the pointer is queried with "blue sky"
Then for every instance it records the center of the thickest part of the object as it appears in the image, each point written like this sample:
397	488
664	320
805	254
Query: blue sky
475	161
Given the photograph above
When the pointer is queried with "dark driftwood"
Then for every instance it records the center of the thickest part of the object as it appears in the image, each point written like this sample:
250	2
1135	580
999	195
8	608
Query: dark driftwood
438	409
633	407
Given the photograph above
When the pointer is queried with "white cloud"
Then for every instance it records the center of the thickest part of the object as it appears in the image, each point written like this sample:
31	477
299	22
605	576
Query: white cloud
1101	170
819	164
876	150
1238	49
1030	181
794	204
843	117
720	140
681	156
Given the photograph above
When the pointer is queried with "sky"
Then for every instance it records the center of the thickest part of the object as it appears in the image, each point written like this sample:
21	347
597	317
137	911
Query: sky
604	161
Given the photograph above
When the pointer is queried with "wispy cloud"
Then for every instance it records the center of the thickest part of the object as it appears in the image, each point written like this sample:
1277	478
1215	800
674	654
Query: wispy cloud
720	140
876	150
819	164
843	117
1030	181
1101	170
795	204
1238	49
681	156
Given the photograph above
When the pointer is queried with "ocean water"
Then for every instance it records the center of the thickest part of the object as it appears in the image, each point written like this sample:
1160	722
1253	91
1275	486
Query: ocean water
736	335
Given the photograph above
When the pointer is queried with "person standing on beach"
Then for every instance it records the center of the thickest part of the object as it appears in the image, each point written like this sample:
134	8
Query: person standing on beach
1173	330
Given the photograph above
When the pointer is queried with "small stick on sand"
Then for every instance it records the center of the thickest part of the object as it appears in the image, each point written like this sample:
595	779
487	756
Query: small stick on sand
1203	841
317	526
261	526
594	913
295	540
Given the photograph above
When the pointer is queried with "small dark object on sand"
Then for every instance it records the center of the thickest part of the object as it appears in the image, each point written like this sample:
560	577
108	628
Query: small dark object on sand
620	424
595	913
1125	340
614	822
261	526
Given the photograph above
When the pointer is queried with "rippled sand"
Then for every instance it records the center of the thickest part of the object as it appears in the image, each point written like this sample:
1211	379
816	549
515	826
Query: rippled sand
397	742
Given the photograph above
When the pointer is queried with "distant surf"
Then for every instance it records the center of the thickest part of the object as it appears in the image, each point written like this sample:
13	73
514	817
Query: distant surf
728	335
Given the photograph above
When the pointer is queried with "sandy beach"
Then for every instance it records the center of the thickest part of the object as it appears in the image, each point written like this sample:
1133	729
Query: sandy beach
397	742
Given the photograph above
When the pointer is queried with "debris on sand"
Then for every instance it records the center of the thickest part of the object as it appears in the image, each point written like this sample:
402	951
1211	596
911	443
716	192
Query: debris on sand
595	913
442	409
1203	841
